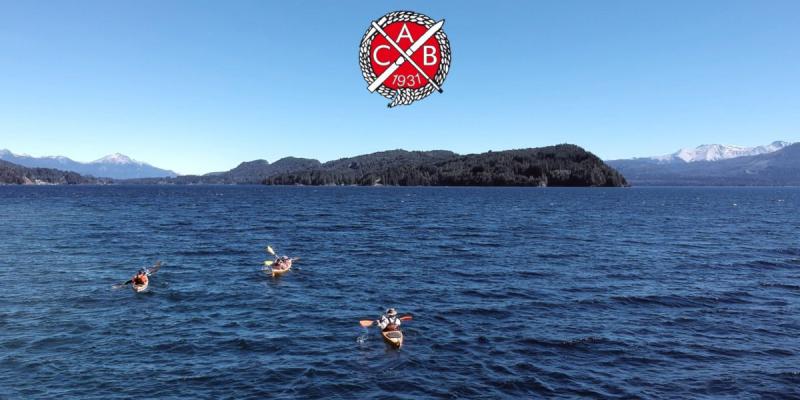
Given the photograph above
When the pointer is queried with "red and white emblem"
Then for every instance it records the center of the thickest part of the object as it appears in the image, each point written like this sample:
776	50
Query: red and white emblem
405	56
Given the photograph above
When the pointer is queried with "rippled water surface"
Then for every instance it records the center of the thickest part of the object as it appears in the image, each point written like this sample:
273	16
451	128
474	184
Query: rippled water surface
644	292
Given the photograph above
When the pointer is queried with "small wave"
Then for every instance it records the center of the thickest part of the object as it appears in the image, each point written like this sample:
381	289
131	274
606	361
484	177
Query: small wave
534	274
779	352
558	256
668	301
764	264
571	343
486	312
524	386
790	251
786	286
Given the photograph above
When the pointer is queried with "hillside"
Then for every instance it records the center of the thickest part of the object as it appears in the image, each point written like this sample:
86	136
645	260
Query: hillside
248	172
562	165
13	174
778	168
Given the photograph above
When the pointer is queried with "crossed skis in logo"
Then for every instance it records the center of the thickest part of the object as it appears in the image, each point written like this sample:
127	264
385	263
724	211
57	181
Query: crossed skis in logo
405	55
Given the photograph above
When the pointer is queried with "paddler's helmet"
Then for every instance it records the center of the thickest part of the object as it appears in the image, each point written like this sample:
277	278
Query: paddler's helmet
391	312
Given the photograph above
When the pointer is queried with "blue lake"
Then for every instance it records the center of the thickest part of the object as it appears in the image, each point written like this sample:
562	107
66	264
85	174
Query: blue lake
515	292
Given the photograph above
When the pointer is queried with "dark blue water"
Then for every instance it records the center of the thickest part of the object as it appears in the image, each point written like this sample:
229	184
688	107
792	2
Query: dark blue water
515	293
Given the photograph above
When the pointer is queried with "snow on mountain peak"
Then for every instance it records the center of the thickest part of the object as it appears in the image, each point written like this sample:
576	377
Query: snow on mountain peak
715	152
116	158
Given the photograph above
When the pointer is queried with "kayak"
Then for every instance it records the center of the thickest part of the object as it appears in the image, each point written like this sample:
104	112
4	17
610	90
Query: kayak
394	338
281	271
140	288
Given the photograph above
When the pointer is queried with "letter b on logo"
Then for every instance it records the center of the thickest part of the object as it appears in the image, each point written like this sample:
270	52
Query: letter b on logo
430	55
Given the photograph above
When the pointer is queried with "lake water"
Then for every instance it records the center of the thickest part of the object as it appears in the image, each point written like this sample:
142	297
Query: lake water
515	292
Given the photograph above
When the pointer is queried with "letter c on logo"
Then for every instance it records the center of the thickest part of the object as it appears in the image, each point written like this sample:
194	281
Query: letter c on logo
375	55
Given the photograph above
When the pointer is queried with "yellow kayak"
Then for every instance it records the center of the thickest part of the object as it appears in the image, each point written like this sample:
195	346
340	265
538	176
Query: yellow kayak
394	338
281	271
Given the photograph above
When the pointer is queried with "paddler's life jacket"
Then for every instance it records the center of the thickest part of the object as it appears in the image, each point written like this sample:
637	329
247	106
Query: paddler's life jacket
140	279
388	323
282	263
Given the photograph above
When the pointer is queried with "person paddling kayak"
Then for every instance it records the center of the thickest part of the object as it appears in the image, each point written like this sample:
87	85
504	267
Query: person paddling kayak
280	264
390	327
141	280
389	321
141	277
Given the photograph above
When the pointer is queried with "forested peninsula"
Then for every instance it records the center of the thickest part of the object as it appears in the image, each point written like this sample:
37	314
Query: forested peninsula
561	165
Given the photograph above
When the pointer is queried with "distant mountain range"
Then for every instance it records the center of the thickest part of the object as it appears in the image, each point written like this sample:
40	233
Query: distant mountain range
561	165
716	152
116	166
776	164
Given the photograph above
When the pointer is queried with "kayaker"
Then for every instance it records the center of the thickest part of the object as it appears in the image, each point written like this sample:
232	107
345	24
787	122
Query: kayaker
282	262
140	278
389	321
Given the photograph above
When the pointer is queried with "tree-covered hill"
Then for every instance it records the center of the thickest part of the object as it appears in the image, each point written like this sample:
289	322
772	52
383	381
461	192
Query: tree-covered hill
248	172
561	165
13	174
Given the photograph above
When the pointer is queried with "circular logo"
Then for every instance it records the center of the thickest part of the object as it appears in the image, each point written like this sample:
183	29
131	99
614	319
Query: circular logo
405	56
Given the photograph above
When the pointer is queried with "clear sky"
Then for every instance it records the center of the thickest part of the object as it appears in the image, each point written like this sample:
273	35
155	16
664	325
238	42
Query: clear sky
199	86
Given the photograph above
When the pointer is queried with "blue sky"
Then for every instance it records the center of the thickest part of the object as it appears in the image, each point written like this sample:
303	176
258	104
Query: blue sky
199	86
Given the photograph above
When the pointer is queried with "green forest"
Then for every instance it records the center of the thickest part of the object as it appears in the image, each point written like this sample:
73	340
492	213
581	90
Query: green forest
561	165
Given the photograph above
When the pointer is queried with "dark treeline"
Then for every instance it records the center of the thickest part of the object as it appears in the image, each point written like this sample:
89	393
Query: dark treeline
13	174
249	172
561	165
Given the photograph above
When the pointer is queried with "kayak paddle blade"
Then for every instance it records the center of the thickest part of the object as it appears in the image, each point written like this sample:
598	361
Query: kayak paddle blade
270	251
366	323
152	270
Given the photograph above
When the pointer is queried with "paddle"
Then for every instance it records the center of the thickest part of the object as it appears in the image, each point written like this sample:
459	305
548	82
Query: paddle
119	285
267	263
154	269
366	323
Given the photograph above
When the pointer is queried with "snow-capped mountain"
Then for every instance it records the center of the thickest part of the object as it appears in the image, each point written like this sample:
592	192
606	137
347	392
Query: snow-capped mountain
118	159
764	168
117	166
716	152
